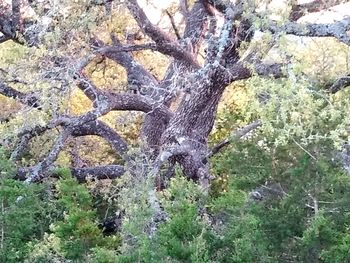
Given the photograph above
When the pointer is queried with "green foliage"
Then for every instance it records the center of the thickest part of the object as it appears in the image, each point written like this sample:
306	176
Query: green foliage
239	236
182	237
243	241
78	232
302	216
104	255
25	214
340	251
303	213
297	110
244	164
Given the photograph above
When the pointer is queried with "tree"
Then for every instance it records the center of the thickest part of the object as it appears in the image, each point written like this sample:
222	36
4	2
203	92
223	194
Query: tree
204	59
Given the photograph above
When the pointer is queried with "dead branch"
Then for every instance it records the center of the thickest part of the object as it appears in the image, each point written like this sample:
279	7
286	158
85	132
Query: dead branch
236	135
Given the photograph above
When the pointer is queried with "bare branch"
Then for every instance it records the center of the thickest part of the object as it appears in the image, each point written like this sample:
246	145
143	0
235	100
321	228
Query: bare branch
110	102
10	22
165	43
339	84
21	147
183	7
95	127
137	75
135	102
196	25
315	6
82	174
89	89
173	24
236	135
212	41
6	22
86	124
145	24
224	50
101	129
225	39
27	99
127	48
83	82
38	170
239	71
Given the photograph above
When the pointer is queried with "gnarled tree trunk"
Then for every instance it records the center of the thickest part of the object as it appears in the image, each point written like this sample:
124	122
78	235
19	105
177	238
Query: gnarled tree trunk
171	135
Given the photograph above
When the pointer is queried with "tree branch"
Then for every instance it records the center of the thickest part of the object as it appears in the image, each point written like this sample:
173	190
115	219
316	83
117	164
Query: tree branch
196	25
224	50
39	170
86	124
80	129
135	102
173	24
16	15
5	23
82	174
127	48
239	71
315	6
220	5
183	8
236	135
95	127
11	23
27	99
339	84
138	76
101	129
165	43
89	89
337	30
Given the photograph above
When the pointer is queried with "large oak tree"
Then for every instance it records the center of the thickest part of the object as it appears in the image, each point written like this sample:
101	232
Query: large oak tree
209	49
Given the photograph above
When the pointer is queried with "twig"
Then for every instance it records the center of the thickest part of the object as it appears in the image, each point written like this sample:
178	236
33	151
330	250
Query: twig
172	21
301	147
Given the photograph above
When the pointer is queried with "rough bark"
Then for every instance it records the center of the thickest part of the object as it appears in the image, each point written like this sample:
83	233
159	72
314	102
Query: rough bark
82	174
169	135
